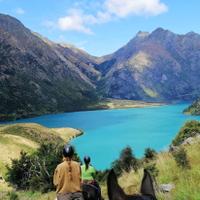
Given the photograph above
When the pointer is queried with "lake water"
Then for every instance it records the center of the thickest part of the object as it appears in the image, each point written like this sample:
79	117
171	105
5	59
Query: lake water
107	132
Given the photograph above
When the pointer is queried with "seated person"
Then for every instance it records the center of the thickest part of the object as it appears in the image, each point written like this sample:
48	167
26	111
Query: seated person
67	177
88	173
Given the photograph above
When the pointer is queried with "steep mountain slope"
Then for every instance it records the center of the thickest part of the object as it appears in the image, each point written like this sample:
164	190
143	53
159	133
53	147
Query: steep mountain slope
194	108
39	77
154	66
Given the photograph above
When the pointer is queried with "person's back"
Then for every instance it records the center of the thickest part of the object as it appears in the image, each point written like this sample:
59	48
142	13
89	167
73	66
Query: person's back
67	177
88	173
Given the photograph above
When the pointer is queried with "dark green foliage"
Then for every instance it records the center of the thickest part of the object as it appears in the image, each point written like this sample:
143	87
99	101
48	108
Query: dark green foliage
149	154
126	161
152	169
18	173
190	129
181	159
13	196
35	171
101	176
45	161
7	117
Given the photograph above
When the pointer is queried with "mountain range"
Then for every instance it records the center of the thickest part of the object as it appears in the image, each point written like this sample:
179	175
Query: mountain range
38	76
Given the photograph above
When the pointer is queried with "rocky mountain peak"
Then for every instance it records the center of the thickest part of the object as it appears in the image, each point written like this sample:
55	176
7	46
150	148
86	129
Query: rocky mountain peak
12	25
161	33
142	34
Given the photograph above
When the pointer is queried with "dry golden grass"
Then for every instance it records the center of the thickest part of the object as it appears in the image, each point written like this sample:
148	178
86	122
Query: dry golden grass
31	131
17	137
12	145
116	103
67	133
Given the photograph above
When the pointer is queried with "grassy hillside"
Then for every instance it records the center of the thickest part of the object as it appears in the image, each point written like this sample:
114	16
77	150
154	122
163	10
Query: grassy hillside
38	133
27	137
186	181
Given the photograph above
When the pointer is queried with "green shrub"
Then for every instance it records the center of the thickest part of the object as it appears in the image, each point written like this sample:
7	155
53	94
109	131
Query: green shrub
126	161
149	154
152	169
101	176
19	172
181	159
190	129
13	196
36	171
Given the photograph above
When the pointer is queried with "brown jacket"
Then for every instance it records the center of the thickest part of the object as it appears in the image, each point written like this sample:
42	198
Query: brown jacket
67	177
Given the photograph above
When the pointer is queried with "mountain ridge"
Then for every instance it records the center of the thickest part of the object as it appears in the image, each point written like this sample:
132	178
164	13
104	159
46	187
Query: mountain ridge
160	66
38	76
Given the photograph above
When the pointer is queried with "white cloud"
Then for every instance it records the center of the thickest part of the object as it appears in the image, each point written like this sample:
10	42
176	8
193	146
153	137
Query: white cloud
123	8
20	11
75	21
79	20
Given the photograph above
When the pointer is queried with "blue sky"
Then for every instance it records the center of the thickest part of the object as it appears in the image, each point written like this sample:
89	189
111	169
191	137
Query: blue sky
102	26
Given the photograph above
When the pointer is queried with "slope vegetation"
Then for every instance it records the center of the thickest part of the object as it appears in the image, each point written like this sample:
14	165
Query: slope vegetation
193	109
185	181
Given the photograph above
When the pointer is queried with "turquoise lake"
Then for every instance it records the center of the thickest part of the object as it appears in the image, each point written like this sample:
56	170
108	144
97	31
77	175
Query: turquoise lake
107	132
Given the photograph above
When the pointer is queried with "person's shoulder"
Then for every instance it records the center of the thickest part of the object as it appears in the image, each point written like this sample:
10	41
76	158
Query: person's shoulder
76	163
92	168
61	165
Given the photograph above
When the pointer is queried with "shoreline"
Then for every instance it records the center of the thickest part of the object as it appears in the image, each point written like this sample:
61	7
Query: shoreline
68	133
112	104
105	104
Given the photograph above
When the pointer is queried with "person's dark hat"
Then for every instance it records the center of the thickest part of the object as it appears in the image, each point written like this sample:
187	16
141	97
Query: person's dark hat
68	151
87	159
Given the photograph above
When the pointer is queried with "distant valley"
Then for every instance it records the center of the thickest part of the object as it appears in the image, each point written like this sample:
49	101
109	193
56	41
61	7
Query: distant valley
38	76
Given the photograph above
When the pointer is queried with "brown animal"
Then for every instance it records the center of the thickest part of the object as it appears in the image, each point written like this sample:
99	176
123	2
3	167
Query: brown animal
115	192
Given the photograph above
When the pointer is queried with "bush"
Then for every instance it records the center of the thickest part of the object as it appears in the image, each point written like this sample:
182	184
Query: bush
152	169
149	154
190	129
101	176
181	159
13	196
36	171
126	161
18	173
